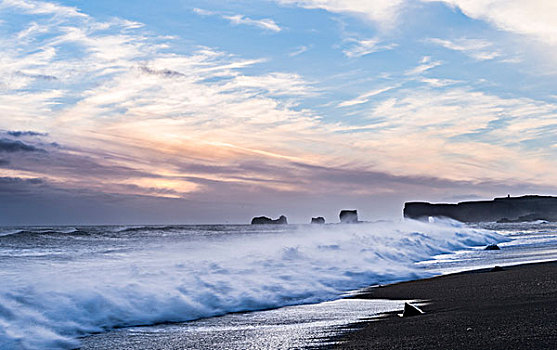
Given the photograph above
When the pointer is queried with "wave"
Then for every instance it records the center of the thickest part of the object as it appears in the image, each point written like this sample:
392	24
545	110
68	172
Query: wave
51	305
26	233
125	229
10	232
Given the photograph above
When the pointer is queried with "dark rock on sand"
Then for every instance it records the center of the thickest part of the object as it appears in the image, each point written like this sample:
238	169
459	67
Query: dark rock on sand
496	269
318	220
506	209
263	220
348	216
410	310
492	247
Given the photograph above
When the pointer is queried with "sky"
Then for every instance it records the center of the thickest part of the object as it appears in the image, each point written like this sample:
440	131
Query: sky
215	111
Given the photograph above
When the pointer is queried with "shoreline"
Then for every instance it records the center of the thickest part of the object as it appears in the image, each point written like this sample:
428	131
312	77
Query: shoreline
476	309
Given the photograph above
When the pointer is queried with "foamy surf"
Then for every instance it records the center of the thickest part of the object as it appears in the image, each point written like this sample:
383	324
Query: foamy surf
103	281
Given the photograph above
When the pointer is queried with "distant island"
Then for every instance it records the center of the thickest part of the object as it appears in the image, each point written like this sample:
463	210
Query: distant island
263	220
345	216
505	209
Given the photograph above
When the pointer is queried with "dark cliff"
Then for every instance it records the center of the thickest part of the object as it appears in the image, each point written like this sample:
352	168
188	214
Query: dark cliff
507	209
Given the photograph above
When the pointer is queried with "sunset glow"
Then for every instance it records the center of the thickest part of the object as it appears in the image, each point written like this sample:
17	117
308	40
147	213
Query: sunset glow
298	106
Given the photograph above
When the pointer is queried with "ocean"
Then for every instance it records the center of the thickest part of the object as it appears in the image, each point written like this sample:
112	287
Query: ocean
228	286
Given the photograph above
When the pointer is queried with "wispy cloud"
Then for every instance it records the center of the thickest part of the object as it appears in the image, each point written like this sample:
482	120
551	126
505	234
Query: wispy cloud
436	82
366	46
426	64
42	8
265	23
137	117
298	51
467	129
238	19
480	50
366	97
535	18
382	12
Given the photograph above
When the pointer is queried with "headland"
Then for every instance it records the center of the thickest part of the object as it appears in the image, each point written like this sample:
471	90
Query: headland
505	209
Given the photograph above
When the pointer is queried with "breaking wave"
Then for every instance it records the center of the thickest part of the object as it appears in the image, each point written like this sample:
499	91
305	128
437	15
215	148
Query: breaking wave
50	305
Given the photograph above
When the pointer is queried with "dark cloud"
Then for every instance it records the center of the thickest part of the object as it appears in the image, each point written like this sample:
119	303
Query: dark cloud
37	76
36	201
26	133
12	146
167	73
4	162
232	192
16	186
18	180
350	177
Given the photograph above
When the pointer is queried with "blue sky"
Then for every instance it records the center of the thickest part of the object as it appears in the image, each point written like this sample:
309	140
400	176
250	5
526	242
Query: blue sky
214	111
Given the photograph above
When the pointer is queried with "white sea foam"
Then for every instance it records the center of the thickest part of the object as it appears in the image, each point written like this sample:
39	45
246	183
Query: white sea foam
50	304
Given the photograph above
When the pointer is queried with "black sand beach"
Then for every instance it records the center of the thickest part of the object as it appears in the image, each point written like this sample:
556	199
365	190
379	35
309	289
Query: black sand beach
510	309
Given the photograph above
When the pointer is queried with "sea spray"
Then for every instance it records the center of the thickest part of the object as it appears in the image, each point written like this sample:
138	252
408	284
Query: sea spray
119	278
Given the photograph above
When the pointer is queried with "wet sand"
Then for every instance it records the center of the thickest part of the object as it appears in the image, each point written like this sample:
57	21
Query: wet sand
511	309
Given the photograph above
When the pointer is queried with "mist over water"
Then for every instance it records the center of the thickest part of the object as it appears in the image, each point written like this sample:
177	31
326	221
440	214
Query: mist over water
62	283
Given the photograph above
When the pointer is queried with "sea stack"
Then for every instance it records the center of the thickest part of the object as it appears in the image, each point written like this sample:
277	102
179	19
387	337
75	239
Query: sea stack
348	216
318	220
263	220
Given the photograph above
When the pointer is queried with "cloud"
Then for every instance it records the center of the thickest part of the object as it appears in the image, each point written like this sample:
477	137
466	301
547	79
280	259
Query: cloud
535	18
266	23
425	64
435	82
475	48
382	12
298	51
42	8
459	130
11	146
142	121
25	133
365	97
203	12
366	47
18	180
37	76
237	19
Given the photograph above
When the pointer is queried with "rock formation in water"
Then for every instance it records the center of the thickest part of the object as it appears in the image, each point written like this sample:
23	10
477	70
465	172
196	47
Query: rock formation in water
318	220
506	209
263	220
348	216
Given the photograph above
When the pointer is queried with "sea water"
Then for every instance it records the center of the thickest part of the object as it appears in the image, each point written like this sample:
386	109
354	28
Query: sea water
61	285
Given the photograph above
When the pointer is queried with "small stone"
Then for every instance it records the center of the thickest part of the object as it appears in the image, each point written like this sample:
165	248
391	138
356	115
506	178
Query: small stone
411	310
